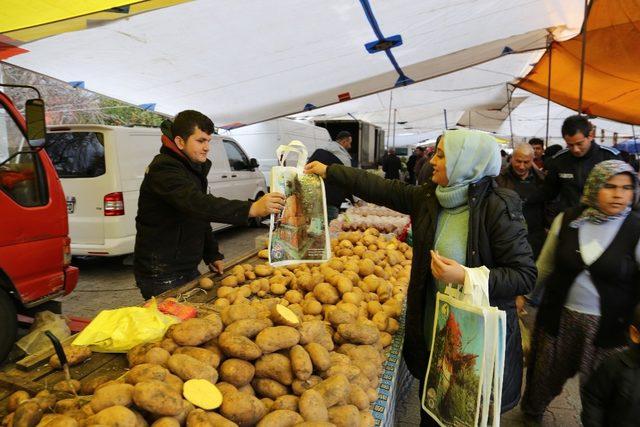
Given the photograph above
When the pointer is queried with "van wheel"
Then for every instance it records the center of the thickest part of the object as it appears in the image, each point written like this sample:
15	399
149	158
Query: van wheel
257	222
9	320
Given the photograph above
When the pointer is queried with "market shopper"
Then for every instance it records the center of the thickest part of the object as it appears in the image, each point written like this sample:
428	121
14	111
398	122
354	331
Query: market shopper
418	153
611	396
590	270
522	177
469	221
392	165
175	210
538	152
569	168
334	152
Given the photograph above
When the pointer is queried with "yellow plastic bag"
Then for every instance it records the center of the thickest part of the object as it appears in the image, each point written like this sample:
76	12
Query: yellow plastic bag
119	330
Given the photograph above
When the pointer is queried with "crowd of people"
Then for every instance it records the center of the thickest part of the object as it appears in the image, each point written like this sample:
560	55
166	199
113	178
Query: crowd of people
558	230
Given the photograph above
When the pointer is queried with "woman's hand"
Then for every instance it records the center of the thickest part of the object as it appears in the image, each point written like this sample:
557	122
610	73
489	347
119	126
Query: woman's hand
446	270
217	266
317	168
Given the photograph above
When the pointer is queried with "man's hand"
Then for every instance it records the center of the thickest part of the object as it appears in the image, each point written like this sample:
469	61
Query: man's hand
267	204
521	305
446	270
217	266
317	168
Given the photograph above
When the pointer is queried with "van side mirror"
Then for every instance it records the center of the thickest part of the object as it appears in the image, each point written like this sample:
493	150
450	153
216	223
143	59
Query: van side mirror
253	163
36	126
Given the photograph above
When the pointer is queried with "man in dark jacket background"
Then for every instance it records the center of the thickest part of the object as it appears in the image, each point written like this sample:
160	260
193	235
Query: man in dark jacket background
335	152
392	165
526	180
569	168
175	210
611	396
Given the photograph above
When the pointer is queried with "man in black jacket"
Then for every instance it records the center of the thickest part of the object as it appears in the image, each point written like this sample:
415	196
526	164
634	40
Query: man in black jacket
392	165
331	154
570	167
611	396
175	210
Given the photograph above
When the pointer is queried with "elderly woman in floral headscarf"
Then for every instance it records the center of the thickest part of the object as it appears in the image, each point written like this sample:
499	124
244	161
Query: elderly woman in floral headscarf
590	267
460	218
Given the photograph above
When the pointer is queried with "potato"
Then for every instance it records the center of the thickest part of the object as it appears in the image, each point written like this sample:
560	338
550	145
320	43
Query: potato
188	368
248	327
282	315
359	333
75	355
238	346
392	326
268	403
8	420
367	419
204	355
278	288
385	339
157	356
392	308
266	387
45	399
202	394
334	390
316	331
194	332
238	312
247	389
339	316
300	362
276	367
112	395
167	344
263	270
230	281
166	422
157	397
277	338
242	409
373	394
224	292
205	283
344	416
145	372
326	294
27	414
263	253
15	399
366	267
237	372
312	307
312	406
114	416
319	356
174	382
300	386
358	397
288	401
200	418
352	298
316	424
381	320
281	418
59	420
66	405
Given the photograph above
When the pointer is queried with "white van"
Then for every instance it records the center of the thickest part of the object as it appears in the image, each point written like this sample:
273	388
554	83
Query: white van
263	139
101	169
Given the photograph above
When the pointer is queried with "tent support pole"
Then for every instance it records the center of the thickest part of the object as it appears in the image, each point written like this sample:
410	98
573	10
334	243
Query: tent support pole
446	125
389	119
584	51
509	107
550	50
395	112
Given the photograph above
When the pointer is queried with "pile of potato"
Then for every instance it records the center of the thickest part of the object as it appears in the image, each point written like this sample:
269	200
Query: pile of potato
302	345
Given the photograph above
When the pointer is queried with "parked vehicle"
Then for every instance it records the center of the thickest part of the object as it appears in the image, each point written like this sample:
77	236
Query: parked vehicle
263	139
101	169
35	252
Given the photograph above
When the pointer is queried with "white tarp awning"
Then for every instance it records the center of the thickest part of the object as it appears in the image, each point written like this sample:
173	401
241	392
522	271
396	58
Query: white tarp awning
253	60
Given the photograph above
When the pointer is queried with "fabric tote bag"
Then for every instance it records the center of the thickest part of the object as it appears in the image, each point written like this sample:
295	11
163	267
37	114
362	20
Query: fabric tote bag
300	232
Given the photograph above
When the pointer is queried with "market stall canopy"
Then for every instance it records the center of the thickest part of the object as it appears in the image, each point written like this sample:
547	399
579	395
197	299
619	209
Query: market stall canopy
244	62
612	71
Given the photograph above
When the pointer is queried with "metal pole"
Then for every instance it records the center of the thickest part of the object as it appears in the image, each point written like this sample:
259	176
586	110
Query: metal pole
395	111
550	50
635	141
469	119
389	119
509	107
584	50
446	125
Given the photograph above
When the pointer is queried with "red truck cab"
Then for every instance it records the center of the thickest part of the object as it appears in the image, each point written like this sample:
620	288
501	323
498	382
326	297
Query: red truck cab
35	252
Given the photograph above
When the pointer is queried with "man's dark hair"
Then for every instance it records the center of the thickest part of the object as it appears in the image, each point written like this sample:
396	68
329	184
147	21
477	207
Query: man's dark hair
421	149
635	320
552	150
185	123
536	141
342	135
575	124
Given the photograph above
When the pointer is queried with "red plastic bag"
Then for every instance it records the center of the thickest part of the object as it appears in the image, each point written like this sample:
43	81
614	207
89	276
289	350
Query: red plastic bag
174	308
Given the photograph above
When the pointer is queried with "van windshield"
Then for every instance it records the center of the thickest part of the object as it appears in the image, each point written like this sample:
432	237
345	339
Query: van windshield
76	154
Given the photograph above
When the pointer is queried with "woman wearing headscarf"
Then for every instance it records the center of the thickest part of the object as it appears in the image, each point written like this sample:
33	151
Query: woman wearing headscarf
590	270
463	216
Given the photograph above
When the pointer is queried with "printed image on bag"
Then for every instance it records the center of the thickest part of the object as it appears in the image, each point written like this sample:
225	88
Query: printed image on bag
300	232
453	383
